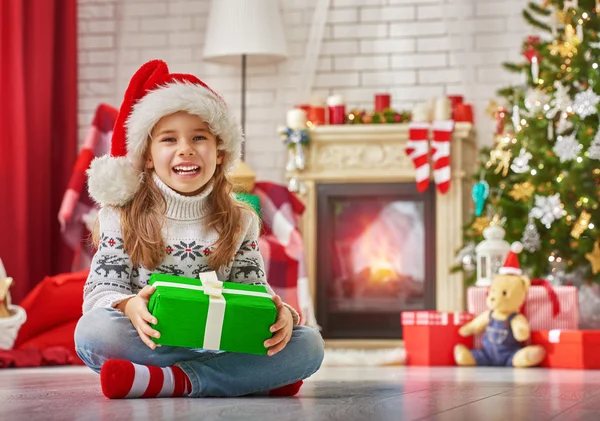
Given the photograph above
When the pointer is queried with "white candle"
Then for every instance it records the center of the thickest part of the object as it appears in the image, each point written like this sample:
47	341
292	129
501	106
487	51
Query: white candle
296	119
442	110
334	100
420	113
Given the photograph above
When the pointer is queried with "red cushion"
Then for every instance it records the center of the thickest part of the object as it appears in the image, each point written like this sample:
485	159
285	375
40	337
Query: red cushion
53	302
61	337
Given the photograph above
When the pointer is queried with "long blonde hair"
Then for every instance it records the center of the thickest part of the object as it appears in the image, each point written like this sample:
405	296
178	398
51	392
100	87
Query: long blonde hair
143	217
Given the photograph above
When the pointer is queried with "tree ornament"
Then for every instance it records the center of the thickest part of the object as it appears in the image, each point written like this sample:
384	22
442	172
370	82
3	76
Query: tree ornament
562	48
467	257
531	237
585	103
571	36
520	164
594	258
522	191
563	123
480	223
535	100
567	147
561	102
547	209
501	157
516	118
480	192
581	224
594	149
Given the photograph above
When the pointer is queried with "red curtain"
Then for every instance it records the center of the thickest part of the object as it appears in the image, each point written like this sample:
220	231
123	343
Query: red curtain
38	135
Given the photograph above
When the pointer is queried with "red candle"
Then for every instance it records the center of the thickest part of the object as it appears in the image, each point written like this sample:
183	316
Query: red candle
304	107
382	101
316	115
337	109
455	100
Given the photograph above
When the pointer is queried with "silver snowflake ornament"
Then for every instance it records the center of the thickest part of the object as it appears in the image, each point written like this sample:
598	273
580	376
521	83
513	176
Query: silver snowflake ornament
547	209
594	149
535	100
567	148
585	103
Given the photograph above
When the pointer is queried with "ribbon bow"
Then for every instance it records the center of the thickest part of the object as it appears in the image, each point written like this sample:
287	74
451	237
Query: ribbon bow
551	294
212	286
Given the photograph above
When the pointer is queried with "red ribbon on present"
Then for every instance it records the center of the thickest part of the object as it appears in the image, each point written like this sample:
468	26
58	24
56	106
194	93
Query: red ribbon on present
551	294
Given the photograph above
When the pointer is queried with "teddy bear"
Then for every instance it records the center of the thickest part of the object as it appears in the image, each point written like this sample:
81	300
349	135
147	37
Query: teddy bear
505	327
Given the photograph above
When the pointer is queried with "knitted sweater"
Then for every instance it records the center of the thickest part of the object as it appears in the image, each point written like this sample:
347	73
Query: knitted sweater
188	243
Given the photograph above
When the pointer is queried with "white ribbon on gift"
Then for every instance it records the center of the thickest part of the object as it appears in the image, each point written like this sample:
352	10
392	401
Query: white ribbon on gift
216	304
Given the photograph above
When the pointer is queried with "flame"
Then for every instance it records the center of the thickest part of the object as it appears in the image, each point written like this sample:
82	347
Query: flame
380	256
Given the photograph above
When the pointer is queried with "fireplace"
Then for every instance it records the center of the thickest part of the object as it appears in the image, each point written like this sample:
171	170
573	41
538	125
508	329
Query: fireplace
376	257
363	169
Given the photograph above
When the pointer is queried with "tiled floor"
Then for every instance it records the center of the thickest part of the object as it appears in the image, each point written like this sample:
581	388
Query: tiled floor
334	393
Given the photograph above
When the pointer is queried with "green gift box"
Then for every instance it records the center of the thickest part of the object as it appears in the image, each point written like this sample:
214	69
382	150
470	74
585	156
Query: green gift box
209	314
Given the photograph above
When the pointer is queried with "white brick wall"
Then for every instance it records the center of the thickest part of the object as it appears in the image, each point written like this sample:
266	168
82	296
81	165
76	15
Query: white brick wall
414	49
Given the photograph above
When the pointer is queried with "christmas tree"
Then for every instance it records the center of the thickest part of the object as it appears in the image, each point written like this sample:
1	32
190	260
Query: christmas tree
541	177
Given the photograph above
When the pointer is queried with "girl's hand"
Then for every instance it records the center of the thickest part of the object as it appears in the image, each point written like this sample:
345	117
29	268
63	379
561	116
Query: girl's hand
282	329
136	309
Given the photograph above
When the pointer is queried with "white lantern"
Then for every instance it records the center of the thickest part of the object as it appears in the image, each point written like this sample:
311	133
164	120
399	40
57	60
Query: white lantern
491	254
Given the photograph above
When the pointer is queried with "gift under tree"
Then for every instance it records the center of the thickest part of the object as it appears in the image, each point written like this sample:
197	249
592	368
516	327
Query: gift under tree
542	175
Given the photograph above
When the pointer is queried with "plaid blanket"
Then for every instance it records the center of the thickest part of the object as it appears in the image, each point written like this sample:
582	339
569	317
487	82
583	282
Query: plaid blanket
282	247
280	241
78	211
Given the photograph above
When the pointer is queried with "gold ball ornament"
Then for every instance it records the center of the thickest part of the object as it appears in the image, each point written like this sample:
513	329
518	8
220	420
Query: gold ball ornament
594	258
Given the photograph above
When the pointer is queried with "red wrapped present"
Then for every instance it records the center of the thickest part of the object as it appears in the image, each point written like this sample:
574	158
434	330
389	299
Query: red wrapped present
569	348
430	336
546	307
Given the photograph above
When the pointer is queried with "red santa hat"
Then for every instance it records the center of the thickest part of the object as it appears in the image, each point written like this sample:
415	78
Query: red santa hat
153	93
511	264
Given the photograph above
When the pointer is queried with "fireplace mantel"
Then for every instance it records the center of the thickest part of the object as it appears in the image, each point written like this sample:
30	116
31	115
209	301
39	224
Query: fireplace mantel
376	153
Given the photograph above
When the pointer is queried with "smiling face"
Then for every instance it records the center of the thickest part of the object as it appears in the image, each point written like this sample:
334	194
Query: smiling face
183	152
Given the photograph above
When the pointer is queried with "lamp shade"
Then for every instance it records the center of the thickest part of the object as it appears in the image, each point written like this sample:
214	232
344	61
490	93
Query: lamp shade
250	27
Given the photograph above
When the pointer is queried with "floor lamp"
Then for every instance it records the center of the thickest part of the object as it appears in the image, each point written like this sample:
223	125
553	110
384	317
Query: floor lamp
250	32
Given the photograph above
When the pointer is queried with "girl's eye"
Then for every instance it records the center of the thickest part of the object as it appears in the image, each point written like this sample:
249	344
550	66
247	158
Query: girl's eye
169	139
199	138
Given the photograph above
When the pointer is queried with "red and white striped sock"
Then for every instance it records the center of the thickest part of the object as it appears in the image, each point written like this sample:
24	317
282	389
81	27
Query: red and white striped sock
121	379
417	149
440	148
287	390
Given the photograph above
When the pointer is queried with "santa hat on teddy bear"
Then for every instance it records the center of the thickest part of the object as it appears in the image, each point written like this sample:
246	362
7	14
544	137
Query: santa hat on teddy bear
153	93
511	264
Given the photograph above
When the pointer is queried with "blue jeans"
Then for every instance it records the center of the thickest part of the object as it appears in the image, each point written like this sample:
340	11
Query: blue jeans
104	333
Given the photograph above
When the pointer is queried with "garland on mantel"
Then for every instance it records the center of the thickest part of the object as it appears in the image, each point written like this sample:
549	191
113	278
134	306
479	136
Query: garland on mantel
387	116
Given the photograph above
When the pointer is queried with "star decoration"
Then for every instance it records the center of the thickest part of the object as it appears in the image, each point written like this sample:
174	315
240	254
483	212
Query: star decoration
594	258
480	223
522	191
562	48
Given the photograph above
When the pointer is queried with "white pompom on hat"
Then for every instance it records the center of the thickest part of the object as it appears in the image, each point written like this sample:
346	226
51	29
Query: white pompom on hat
153	93
511	264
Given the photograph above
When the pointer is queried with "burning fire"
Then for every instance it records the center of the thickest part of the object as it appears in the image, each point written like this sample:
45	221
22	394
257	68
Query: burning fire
380	256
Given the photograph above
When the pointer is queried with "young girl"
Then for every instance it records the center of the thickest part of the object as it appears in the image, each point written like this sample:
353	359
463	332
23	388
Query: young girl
167	207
